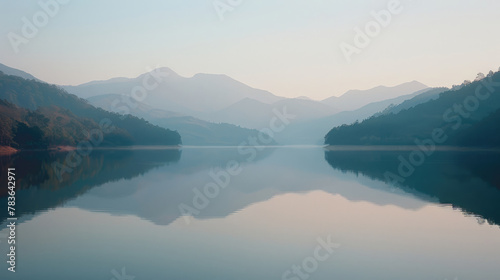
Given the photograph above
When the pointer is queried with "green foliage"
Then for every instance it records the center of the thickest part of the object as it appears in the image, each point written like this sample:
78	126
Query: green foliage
420	121
28	137
63	118
198	132
25	129
483	134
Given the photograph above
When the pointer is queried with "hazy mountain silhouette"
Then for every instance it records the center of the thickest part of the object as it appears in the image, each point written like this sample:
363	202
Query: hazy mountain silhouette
312	132
113	103
15	72
33	95
313	116
203	108
254	114
188	96
192	130
221	99
426	95
448	112
355	99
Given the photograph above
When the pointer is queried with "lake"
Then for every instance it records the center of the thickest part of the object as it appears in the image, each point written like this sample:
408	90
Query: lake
268	213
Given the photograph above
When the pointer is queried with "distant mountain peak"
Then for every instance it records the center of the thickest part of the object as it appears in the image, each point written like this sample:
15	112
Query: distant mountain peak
15	72
211	76
355	99
303	98
160	72
112	80
413	83
195	96
165	70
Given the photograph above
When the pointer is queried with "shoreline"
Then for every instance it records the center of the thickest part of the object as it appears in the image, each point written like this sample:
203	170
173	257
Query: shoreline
7	151
404	148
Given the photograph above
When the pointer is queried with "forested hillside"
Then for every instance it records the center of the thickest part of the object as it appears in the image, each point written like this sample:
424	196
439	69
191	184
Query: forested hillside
459	115
51	109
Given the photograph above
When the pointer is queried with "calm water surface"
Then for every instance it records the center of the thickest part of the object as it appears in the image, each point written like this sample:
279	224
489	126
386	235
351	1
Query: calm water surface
117	214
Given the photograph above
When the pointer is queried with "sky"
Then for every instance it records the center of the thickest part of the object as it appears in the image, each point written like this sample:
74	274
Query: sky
289	47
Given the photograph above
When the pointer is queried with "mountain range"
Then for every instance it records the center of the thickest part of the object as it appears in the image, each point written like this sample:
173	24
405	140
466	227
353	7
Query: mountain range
207	98
194	131
209	109
466	116
355	99
313	131
38	115
190	96
15	72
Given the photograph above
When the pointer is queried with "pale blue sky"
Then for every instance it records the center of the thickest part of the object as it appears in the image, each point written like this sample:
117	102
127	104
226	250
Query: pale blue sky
288	47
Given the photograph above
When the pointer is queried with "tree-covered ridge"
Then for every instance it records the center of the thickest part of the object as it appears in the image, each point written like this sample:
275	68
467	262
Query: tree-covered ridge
62	117
484	133
49	126
458	114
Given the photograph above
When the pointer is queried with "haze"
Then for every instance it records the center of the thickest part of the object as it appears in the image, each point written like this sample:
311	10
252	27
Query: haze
290	48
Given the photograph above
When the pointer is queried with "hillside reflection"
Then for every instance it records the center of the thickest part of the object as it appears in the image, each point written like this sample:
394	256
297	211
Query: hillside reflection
39	188
466	180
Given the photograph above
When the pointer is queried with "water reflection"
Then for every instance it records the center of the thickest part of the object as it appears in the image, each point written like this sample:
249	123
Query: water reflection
38	188
113	180
151	184
157	196
466	180
121	210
